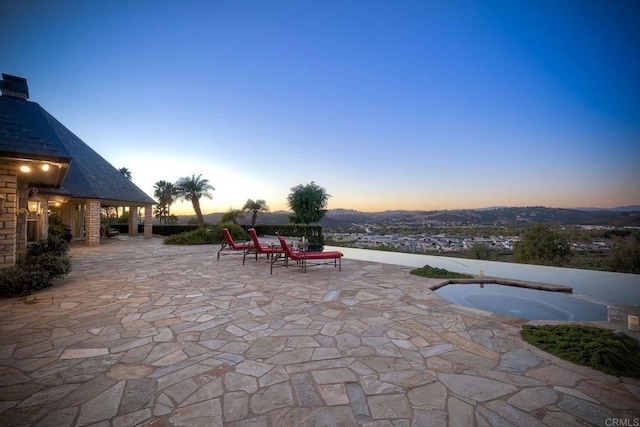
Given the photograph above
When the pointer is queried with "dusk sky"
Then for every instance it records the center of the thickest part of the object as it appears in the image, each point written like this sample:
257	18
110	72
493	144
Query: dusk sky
386	104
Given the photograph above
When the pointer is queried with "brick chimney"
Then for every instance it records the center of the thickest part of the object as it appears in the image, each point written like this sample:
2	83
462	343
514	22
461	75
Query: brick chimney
14	87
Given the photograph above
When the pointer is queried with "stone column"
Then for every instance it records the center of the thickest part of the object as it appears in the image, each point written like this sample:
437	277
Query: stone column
148	221
8	219
21	219
133	220
44	219
92	223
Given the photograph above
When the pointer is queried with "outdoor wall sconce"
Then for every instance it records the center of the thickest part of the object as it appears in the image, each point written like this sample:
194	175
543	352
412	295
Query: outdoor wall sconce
33	202
2	199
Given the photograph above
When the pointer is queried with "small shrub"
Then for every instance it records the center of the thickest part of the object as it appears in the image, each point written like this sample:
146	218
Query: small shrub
58	229
598	348
438	273
52	245
16	280
45	261
55	266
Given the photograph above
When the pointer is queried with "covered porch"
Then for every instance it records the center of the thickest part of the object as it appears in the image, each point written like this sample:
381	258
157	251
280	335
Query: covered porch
47	171
84	218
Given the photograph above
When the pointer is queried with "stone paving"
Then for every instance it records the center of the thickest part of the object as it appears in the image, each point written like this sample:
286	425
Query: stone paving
146	334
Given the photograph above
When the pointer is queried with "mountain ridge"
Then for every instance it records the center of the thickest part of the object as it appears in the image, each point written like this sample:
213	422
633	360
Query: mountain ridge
496	216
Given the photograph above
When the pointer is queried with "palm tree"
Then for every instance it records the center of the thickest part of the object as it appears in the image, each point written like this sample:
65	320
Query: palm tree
232	215
126	172
171	191
254	208
159	212
193	188
164	192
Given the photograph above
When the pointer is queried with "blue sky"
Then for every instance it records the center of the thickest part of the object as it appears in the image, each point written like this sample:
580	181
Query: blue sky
386	104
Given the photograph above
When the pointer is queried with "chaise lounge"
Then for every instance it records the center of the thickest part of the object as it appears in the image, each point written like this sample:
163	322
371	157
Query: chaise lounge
261	248
232	247
307	259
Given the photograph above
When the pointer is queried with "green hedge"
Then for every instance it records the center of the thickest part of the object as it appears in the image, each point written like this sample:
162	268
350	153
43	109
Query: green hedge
207	235
169	230
212	234
159	229
313	233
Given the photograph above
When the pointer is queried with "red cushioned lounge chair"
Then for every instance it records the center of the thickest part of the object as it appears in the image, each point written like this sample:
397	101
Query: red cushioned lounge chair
261	248
232	247
310	258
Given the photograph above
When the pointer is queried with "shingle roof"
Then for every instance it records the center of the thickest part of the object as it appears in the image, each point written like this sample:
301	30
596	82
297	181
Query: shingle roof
27	130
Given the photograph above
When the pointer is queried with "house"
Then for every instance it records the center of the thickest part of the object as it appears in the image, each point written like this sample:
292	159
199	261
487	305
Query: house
46	169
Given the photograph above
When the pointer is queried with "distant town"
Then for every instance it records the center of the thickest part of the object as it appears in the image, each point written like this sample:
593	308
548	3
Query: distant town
497	230
443	242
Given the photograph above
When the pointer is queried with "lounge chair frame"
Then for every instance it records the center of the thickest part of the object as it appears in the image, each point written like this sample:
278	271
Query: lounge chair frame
309	259
261	248
230	247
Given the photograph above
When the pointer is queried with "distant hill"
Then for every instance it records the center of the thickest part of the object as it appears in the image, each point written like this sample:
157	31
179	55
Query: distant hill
497	216
490	208
630	208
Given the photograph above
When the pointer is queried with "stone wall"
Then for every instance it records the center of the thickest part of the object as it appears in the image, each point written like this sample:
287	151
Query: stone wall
8	220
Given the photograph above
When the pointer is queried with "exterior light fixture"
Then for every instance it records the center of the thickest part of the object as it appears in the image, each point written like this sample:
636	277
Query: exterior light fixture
27	168
33	202
2	199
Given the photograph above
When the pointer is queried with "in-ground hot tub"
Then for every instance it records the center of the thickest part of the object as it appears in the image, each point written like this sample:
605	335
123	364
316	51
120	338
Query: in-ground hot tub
522	302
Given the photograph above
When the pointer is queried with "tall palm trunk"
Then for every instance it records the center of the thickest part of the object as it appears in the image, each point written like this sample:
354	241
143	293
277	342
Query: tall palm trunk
196	207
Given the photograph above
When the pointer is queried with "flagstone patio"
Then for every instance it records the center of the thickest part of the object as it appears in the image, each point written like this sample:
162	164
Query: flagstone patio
146	334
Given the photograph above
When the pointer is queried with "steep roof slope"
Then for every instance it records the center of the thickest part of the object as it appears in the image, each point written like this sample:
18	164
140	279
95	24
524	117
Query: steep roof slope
27	129
90	175
26	133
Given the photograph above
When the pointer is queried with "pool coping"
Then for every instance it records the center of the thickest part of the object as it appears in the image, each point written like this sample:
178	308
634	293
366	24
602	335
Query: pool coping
616	313
501	281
